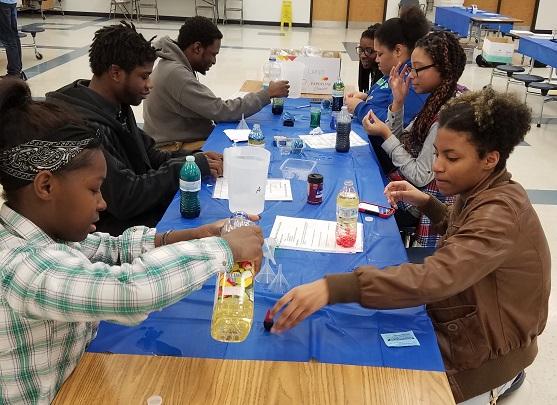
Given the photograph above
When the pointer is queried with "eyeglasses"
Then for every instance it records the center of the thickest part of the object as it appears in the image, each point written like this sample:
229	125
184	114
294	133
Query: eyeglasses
417	70
365	51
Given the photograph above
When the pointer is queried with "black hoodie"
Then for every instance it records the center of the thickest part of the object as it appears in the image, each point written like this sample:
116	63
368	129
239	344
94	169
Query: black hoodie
141	180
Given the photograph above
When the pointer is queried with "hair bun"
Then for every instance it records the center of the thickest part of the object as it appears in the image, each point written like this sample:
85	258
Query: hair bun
14	93
414	24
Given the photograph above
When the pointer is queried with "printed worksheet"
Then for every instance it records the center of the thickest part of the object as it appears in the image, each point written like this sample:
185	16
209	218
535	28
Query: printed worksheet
312	235
237	135
328	140
277	190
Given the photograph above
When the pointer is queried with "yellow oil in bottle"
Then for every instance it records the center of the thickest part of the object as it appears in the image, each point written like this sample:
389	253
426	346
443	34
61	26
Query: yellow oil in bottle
233	307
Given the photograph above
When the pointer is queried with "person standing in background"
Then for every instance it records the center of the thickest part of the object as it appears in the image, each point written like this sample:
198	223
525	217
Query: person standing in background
9	37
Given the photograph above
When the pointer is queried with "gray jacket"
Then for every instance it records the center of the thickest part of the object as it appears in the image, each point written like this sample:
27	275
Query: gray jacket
180	108
418	170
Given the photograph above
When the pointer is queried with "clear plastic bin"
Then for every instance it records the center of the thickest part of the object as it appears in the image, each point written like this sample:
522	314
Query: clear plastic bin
297	168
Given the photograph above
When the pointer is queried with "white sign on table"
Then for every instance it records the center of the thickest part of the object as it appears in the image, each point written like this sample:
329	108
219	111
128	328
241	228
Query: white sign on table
276	190
328	140
312	235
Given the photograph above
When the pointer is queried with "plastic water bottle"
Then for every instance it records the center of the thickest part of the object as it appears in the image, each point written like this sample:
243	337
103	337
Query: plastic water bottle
275	72
190	184
338	95
347	215
233	305
270	71
256	137
344	126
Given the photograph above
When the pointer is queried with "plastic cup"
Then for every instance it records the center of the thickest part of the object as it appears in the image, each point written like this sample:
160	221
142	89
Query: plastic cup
315	117
247	178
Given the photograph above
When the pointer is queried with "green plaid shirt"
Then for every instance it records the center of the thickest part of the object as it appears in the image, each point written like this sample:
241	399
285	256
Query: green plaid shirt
52	295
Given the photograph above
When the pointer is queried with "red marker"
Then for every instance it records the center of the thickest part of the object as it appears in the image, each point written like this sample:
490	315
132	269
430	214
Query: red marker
268	322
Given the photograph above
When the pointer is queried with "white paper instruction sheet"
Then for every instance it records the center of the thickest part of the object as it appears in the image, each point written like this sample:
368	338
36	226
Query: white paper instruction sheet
313	235
237	135
276	190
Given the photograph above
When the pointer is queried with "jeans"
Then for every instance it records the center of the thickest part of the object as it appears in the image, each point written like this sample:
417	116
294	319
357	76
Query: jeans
10	38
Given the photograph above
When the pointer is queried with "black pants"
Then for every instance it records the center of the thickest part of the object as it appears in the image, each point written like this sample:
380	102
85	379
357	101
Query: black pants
10	38
404	219
384	160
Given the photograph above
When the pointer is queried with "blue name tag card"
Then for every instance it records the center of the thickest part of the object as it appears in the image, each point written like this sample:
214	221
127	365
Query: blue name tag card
400	339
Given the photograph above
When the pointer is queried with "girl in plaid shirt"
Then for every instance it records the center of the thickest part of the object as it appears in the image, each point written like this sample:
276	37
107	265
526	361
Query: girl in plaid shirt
57	278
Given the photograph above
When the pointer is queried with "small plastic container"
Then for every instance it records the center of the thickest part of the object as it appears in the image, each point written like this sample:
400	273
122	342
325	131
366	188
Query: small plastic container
287	146
296	146
297	168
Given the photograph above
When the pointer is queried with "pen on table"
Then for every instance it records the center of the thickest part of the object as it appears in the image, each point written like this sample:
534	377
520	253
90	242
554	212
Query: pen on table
303	106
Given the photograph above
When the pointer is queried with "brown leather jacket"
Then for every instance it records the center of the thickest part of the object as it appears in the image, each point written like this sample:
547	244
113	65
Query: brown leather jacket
486	288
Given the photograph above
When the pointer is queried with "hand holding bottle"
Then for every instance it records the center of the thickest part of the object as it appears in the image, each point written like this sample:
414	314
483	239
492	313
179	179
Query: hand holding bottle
279	88
299	303
245	243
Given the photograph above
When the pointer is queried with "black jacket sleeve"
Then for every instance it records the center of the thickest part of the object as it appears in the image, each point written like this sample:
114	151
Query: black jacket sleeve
129	195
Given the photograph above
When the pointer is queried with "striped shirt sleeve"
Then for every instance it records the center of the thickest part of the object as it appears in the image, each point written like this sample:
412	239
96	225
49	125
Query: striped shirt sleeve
125	248
57	282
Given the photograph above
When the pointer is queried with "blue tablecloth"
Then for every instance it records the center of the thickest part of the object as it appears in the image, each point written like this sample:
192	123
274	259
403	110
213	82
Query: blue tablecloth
345	334
457	19
543	50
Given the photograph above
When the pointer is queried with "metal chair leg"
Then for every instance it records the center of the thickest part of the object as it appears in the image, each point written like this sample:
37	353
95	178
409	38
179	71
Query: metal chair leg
541	113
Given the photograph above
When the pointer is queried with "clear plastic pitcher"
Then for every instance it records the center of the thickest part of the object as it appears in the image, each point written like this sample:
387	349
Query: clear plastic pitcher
247	170
294	73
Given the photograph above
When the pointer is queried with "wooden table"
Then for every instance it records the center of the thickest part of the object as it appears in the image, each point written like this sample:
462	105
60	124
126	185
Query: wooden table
255	85
125	379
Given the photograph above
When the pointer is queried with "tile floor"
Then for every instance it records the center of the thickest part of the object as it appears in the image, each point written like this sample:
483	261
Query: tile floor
65	45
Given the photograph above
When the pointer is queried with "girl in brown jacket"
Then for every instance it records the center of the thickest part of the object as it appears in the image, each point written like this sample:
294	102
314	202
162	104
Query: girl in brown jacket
486	287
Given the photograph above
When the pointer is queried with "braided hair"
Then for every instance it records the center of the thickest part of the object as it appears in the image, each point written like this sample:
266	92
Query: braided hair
120	45
449	59
493	121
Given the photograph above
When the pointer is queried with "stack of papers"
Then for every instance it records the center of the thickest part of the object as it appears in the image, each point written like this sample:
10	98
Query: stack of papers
276	190
328	140
312	235
237	135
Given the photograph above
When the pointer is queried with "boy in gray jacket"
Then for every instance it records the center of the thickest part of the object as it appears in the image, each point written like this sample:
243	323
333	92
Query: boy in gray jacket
180	109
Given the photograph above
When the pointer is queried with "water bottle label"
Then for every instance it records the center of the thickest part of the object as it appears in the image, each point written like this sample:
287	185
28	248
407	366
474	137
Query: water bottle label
190	186
337	103
236	283
347	213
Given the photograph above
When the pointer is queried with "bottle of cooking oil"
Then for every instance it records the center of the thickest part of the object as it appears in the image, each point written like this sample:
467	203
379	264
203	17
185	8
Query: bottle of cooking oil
233	306
347	215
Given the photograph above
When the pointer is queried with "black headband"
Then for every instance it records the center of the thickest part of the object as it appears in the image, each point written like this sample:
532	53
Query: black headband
20	164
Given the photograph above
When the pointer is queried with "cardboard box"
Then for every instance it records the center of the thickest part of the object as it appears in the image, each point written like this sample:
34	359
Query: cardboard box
320	71
496	49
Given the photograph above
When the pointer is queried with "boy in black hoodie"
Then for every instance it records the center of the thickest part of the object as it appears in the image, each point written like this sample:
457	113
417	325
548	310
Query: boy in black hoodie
141	180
